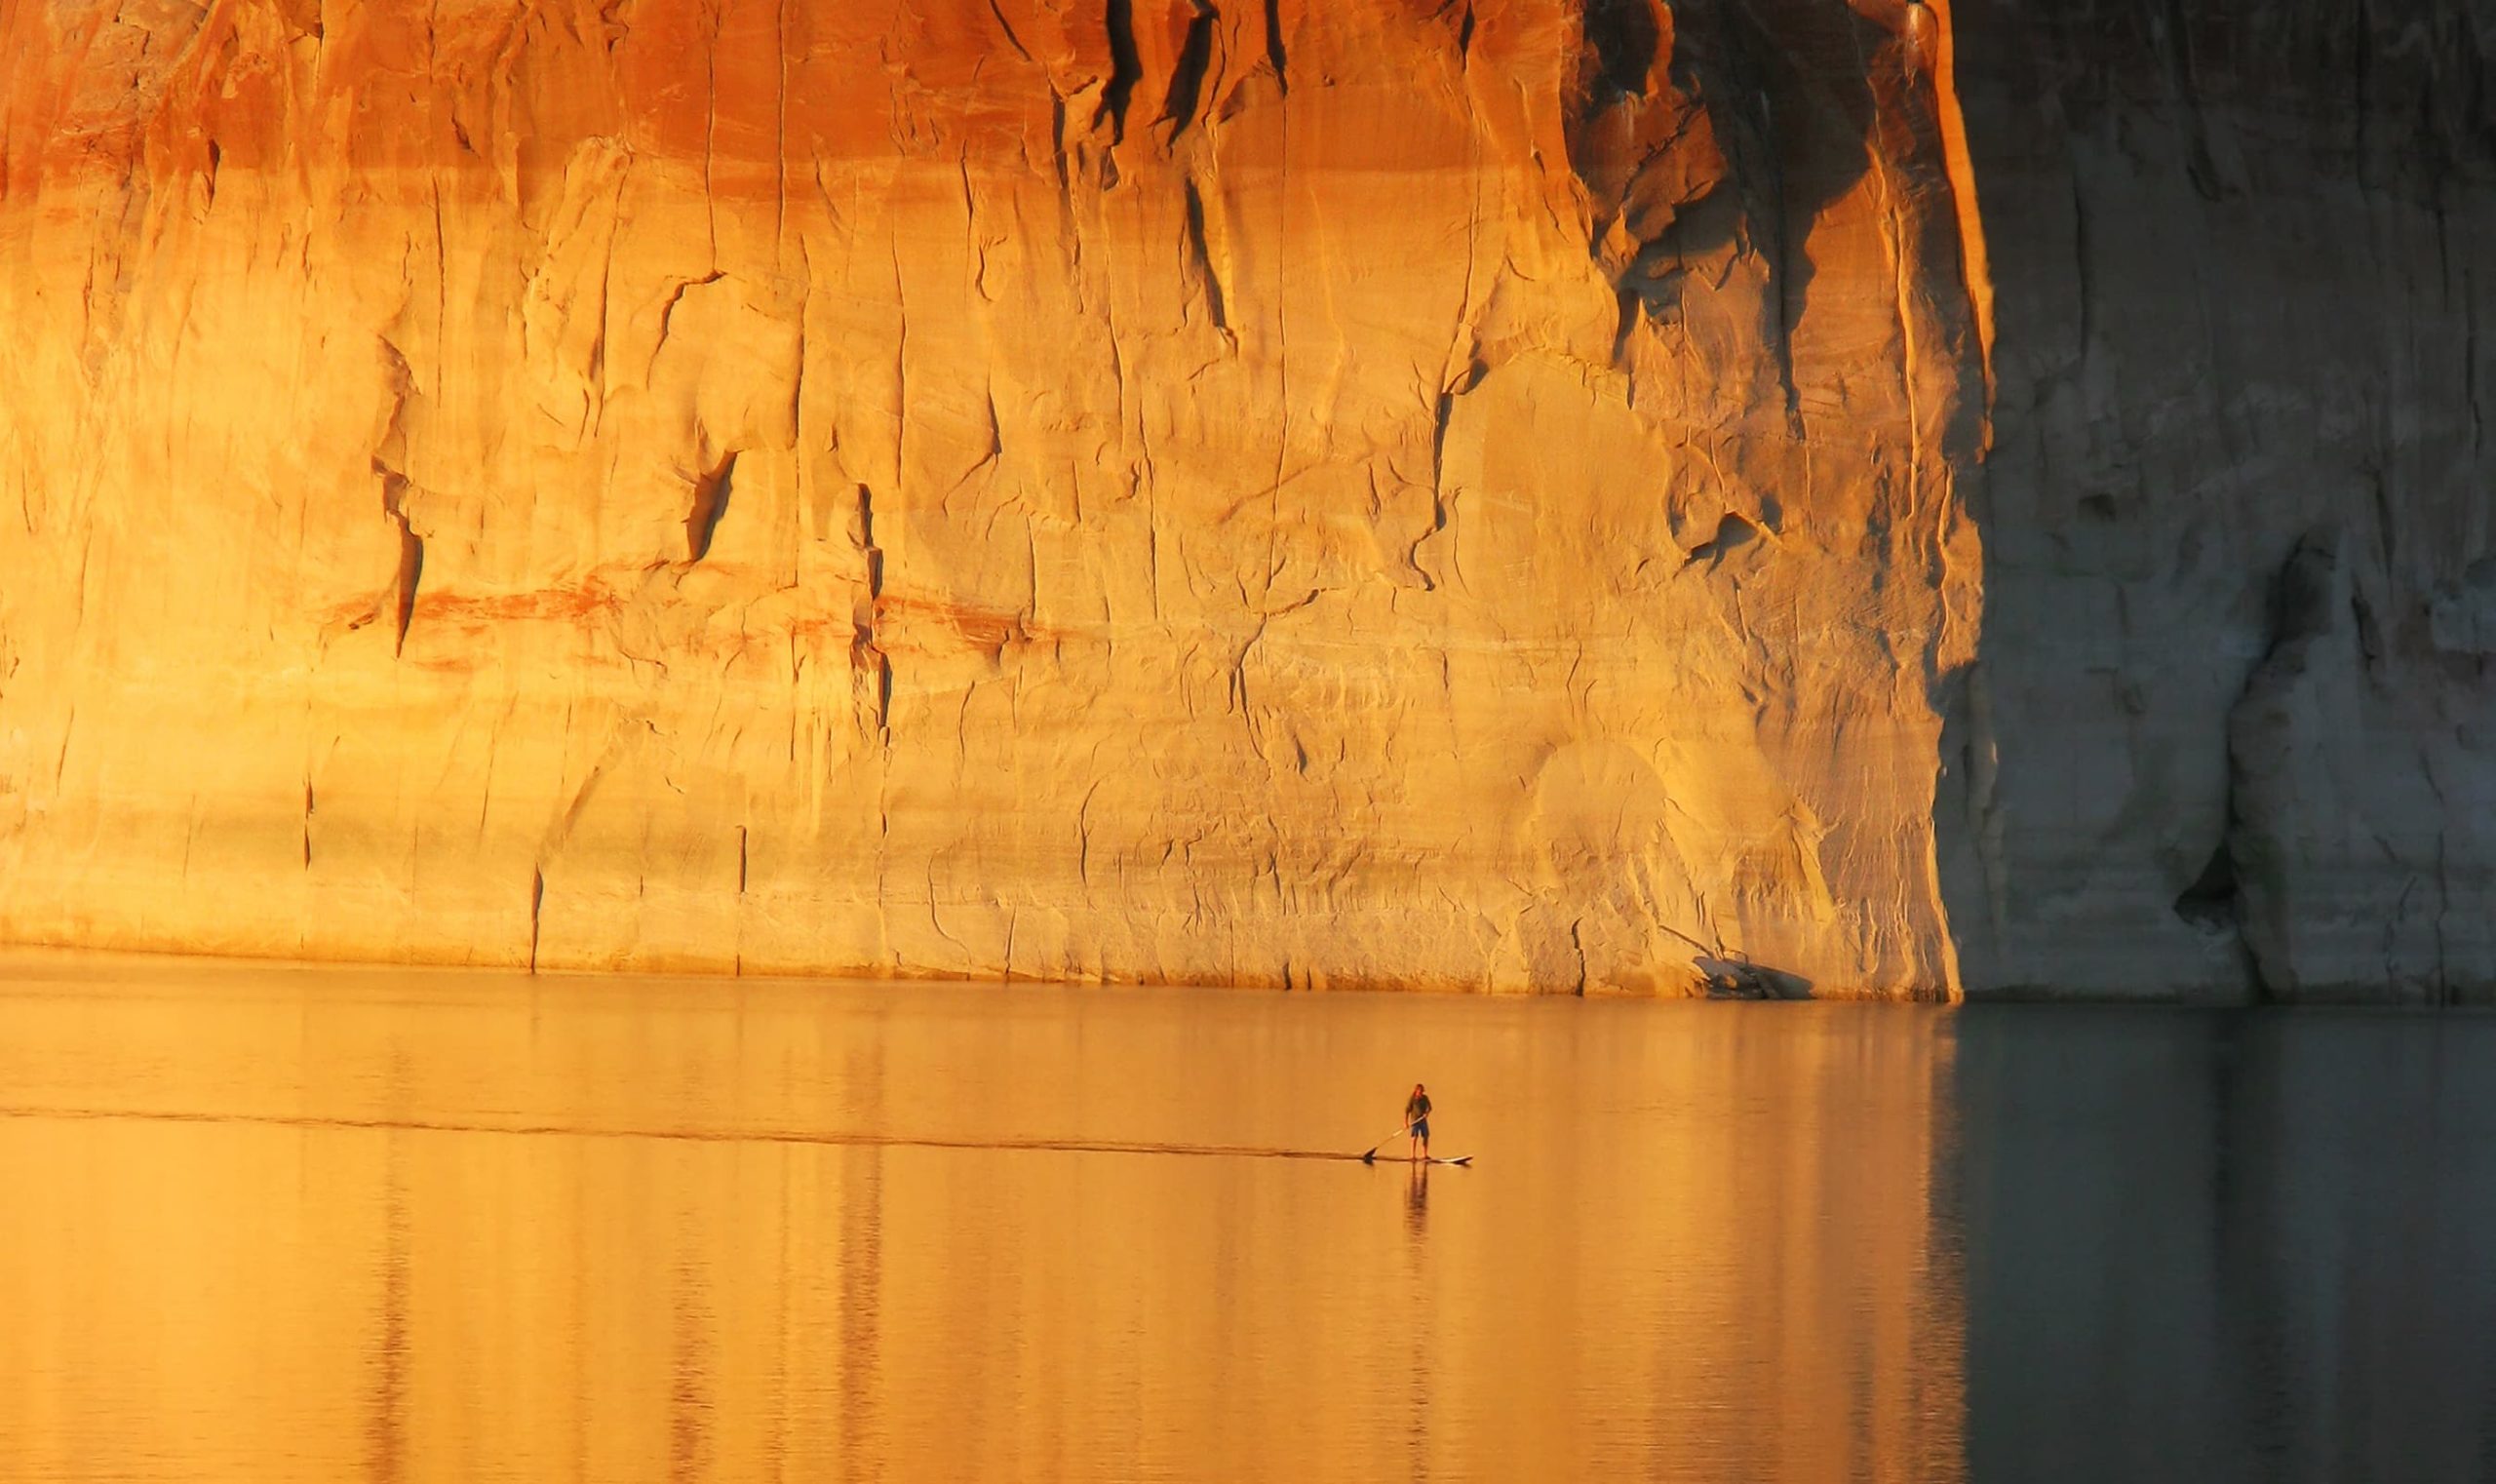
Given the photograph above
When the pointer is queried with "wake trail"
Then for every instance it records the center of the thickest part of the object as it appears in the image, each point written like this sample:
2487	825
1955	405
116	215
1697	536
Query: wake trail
820	1137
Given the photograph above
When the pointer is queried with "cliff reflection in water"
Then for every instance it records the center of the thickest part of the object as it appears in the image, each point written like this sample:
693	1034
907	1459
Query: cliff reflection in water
2229	1246
293	1225
274	1225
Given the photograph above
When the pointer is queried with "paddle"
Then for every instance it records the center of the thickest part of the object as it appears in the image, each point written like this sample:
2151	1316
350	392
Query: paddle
1370	1155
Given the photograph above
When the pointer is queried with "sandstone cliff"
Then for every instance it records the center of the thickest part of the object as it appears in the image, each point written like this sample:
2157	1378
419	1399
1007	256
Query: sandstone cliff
1508	494
2233	730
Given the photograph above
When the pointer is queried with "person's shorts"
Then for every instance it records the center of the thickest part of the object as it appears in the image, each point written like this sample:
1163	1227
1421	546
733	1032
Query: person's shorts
1422	1130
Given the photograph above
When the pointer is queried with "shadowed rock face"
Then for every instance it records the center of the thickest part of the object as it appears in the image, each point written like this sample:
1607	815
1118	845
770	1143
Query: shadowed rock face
1504	495
2240	481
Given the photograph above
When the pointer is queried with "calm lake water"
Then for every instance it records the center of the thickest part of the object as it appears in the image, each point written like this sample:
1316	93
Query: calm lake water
272	1225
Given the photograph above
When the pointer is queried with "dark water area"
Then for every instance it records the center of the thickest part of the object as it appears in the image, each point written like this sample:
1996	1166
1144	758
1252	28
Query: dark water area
276	1224
2228	1246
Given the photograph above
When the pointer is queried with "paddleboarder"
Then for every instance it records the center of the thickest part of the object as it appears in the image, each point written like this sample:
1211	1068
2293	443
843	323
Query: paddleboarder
1417	1122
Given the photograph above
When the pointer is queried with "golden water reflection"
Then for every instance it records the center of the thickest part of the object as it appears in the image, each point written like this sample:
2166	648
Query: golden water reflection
279	1223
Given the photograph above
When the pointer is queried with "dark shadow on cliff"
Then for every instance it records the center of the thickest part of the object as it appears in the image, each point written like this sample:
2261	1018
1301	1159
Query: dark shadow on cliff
1783	91
1807	60
2138	779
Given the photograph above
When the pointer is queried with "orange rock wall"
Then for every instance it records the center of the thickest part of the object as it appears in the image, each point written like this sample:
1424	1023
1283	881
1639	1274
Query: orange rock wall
1391	494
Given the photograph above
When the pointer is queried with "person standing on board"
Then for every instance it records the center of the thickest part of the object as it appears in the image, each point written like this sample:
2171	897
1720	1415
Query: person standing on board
1417	1122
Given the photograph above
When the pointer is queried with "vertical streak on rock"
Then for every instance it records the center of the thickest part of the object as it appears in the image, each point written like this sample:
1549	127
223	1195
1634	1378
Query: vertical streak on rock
1188	78
536	908
412	565
710	503
1126	69
872	628
901	368
780	141
1894	233
1274	42
389	456
2189	121
1974	264
866	650
1282	344
2466	289
1464	344
1984	788
60	758
1011	38
804	473
711	134
1200	258
1058	162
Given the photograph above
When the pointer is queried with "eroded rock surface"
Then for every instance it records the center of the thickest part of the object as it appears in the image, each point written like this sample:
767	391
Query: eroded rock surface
2232	733
1486	495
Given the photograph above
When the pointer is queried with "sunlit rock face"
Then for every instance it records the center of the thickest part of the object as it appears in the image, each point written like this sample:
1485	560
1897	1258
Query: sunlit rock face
1286	493
1496	495
2233	730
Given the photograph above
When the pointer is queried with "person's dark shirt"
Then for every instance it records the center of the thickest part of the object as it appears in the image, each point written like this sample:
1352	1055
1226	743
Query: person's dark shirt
1417	1107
